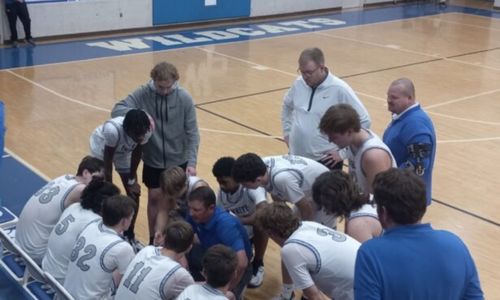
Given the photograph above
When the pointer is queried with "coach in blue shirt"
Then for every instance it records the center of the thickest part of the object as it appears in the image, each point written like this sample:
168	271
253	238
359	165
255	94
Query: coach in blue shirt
410	135
215	226
411	260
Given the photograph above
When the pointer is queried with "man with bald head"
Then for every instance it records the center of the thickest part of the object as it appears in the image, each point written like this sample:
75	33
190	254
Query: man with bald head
312	93
410	135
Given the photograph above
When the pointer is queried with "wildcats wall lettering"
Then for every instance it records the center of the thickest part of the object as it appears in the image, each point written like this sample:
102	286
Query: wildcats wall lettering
210	36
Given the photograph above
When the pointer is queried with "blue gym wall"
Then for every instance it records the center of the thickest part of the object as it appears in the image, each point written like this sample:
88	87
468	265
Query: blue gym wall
183	11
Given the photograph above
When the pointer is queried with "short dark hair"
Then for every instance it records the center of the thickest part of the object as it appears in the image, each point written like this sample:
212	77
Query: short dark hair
336	192
219	264
116	208
223	167
179	236
95	192
402	194
339	119
278	219
90	164
204	194
248	167
136	123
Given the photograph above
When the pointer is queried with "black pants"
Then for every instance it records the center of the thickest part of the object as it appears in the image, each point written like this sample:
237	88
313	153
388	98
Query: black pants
14	10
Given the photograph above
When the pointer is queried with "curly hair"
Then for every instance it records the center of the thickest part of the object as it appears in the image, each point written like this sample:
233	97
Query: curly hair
95	192
336	192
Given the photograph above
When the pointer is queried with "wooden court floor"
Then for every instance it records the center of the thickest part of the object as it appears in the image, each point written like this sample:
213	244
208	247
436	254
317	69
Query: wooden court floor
454	60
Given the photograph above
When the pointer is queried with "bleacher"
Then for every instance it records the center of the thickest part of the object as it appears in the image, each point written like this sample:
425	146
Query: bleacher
32	282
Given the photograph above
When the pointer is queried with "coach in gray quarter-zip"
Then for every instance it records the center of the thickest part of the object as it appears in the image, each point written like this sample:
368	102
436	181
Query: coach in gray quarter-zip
175	139
312	93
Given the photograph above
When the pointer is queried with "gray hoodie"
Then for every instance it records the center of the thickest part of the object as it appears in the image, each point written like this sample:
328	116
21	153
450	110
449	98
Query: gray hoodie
175	139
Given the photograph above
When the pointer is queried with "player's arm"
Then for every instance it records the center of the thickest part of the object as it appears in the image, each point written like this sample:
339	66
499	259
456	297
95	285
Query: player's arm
373	162
250	220
109	153
240	268
313	293
74	196
305	206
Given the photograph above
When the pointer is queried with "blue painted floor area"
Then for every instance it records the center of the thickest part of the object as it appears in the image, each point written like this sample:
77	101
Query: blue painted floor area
17	184
116	46
9	289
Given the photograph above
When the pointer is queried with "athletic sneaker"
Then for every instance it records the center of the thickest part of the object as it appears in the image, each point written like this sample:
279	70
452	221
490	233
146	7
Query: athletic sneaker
257	278
281	297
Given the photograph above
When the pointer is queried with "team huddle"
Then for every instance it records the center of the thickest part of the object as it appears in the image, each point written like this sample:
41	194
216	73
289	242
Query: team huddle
211	244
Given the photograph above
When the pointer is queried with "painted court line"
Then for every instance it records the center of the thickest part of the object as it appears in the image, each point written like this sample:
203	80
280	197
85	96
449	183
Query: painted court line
28	165
58	94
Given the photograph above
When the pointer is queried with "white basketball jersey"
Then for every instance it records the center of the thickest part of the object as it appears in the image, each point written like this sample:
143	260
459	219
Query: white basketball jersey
152	275
98	252
112	134
243	202
40	215
63	238
291	177
355	159
318	255
367	210
201	292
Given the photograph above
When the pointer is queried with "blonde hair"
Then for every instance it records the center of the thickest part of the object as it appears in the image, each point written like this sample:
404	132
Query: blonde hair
173	180
164	71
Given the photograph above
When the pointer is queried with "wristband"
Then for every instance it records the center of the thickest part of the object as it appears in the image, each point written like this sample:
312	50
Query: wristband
131	181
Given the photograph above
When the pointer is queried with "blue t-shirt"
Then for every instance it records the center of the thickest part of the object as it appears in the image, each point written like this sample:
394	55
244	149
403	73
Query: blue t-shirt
413	127
222	228
416	262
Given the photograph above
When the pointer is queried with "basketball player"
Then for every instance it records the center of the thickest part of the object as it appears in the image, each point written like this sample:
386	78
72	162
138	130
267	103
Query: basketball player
366	152
336	192
155	272
100	256
119	141
219	267
72	221
287	178
318	258
176	187
243	203
44	208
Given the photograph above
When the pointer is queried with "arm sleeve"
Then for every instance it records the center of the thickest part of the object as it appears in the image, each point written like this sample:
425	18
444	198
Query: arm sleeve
258	195
366	285
349	97
111	135
473	287
132	101
296	259
231	236
287	111
192	134
410	137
